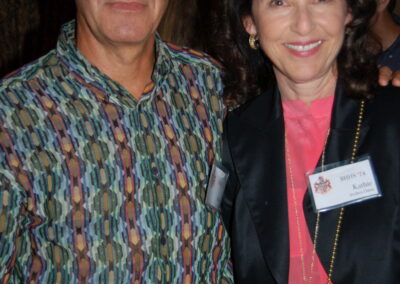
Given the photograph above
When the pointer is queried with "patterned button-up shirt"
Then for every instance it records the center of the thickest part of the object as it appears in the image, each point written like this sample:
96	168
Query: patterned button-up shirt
98	187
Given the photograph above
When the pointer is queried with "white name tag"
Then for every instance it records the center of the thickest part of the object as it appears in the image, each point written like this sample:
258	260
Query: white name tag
343	185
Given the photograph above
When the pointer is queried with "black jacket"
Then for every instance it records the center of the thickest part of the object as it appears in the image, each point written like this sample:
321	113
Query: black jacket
254	206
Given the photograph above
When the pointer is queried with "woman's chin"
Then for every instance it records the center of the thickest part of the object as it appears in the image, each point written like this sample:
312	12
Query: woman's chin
303	75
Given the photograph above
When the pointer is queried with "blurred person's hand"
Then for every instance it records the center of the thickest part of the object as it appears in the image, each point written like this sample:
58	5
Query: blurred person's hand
386	75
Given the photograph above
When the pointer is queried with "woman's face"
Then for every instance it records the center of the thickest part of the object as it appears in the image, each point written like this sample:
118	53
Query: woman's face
302	38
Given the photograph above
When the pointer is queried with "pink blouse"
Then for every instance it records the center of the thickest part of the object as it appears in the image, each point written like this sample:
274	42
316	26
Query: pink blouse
306	132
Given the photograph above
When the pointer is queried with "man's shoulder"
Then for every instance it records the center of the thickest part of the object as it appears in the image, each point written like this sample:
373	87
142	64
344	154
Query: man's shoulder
396	44
195	58
391	56
40	68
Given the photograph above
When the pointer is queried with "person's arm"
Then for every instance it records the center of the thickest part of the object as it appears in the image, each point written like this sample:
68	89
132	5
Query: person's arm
386	75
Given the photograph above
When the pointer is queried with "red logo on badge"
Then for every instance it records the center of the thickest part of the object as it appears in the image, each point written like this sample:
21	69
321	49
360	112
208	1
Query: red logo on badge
322	185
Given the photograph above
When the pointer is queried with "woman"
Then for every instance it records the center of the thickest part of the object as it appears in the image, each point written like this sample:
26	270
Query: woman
323	107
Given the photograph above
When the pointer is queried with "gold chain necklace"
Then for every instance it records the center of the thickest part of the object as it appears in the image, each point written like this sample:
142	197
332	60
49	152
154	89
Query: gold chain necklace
341	213
298	221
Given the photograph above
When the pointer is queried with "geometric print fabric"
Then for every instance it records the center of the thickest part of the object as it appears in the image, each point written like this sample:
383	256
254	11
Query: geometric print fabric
97	187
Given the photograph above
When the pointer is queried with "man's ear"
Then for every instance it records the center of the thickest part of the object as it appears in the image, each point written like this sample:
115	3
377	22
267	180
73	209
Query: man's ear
248	24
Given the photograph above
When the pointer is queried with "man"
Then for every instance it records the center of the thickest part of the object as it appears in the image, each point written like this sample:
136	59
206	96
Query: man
387	28
106	144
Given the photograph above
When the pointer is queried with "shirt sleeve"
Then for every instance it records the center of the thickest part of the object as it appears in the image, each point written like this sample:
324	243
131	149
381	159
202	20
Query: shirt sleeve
12	237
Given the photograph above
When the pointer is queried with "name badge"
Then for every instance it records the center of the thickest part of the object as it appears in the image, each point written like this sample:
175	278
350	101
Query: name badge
334	186
216	186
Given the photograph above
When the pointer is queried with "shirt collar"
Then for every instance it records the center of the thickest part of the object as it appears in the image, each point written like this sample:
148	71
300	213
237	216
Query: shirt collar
319	108
78	64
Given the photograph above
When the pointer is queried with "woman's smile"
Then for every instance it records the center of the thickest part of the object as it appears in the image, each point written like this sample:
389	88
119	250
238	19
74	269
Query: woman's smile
304	49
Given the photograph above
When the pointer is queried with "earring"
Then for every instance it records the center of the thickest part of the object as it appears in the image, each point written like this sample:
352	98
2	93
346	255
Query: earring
253	42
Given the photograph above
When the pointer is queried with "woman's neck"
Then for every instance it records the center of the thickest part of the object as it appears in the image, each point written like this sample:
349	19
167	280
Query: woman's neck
309	91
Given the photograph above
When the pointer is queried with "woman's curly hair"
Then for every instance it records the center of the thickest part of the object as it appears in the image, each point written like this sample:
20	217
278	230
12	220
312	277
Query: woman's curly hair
248	72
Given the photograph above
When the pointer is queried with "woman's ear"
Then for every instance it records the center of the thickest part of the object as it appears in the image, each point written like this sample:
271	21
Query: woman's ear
248	24
349	16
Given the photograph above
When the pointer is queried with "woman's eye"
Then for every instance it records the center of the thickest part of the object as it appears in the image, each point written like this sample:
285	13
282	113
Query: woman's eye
277	3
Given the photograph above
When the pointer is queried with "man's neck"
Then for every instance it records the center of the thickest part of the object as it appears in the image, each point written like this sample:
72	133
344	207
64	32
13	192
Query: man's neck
131	65
386	29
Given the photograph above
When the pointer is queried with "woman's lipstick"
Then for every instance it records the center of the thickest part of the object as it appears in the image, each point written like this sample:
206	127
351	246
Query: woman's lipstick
304	49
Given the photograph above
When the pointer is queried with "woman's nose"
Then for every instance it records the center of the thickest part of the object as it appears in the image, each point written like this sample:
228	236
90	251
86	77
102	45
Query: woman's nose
303	22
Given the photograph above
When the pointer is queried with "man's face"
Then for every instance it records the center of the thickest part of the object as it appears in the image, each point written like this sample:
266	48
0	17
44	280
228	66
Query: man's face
119	22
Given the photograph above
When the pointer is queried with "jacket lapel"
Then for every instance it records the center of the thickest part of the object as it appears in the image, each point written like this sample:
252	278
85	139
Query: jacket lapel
262	174
338	148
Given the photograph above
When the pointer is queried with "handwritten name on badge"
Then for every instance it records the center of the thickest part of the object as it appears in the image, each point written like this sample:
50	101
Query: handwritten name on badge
343	185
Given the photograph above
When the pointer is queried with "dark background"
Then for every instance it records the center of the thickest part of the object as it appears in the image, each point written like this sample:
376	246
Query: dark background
29	29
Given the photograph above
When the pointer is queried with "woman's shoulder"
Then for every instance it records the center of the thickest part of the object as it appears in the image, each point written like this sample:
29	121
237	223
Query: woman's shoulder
255	115
259	104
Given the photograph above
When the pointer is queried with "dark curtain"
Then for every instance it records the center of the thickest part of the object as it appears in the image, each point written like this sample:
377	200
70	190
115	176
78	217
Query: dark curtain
29	29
